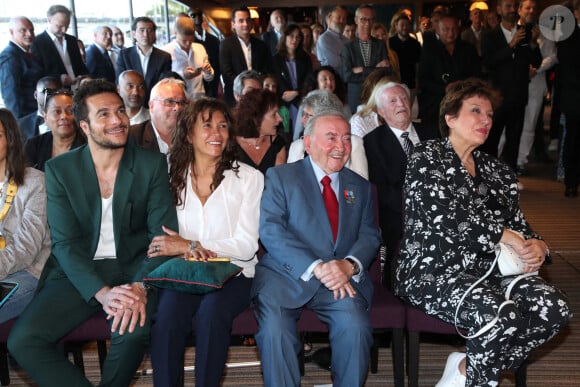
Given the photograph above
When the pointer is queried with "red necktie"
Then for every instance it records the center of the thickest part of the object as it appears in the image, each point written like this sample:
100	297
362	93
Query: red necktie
331	204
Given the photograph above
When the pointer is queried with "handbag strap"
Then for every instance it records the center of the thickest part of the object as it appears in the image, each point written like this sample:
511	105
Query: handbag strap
507	301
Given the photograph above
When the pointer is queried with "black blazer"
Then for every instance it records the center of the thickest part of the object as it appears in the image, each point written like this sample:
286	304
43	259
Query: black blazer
387	163
212	47
29	125
99	64
159	63
509	69
38	149
437	69
271	40
233	62
303	75
44	49
569	73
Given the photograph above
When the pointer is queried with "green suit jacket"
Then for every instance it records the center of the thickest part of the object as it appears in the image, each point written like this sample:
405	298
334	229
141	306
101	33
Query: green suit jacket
142	203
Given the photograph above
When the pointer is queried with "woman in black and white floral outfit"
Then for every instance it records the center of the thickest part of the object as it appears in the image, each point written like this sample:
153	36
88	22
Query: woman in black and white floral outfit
459	203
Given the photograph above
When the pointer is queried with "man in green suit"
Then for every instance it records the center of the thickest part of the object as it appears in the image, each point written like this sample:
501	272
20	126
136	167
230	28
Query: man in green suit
106	201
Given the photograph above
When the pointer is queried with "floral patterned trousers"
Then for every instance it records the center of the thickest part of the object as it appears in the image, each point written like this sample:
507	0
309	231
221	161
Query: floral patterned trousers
539	312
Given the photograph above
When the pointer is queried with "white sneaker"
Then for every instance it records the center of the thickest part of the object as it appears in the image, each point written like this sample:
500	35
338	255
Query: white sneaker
452	377
553	146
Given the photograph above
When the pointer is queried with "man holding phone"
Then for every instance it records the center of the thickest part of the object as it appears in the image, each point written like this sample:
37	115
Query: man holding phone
189	59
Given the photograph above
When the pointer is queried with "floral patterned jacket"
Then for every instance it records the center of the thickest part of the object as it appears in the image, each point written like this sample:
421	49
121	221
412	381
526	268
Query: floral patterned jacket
449	229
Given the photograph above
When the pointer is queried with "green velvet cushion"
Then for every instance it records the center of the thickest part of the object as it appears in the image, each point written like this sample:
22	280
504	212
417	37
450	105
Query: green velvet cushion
192	276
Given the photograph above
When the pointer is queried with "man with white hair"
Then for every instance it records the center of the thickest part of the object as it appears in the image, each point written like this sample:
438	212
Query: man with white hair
166	102
387	149
19	72
99	62
245	81
314	103
272	36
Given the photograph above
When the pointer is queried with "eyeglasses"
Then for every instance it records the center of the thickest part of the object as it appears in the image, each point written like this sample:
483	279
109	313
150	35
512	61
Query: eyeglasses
51	93
171	102
196	14
366	20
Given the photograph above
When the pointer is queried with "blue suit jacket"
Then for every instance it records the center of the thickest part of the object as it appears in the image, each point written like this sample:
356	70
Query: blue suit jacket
99	65
159	63
44	49
18	76
295	230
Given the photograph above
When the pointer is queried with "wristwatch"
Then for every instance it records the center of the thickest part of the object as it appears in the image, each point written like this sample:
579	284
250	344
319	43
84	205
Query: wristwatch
355	266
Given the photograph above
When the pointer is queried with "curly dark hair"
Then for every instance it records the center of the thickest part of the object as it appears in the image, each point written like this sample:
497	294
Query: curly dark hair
182	155
250	111
460	91
15	161
339	89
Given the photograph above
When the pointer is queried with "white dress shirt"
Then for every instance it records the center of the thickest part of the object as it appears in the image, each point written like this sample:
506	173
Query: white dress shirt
195	58
229	220
62	51
413	136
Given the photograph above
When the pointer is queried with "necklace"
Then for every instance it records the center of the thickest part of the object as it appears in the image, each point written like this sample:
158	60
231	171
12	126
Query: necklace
256	146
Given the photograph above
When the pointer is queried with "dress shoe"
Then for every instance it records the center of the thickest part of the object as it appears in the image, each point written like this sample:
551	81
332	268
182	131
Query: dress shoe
452	377
571	192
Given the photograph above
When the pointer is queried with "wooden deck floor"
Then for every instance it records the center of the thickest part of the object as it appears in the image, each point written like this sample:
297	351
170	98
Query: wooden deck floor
557	364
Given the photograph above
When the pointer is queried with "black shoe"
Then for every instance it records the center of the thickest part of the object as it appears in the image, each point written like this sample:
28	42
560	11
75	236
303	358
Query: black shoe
520	170
571	192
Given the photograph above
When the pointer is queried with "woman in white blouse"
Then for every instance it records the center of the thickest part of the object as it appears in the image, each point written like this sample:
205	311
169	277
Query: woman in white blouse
217	201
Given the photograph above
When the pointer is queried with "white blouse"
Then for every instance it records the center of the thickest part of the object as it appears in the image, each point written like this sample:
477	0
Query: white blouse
228	222
362	125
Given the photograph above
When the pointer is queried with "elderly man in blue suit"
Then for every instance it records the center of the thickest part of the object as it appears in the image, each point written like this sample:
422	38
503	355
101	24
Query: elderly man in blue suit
317	224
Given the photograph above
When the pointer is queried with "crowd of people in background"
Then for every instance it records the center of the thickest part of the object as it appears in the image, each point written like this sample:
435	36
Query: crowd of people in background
327	107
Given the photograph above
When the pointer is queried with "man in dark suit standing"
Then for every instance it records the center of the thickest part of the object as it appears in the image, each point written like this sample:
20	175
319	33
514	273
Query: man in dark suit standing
317	224
272	36
19	71
212	47
509	51
241	51
444	60
361	56
386	149
106	201
150	61
99	61
58	52
569	58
